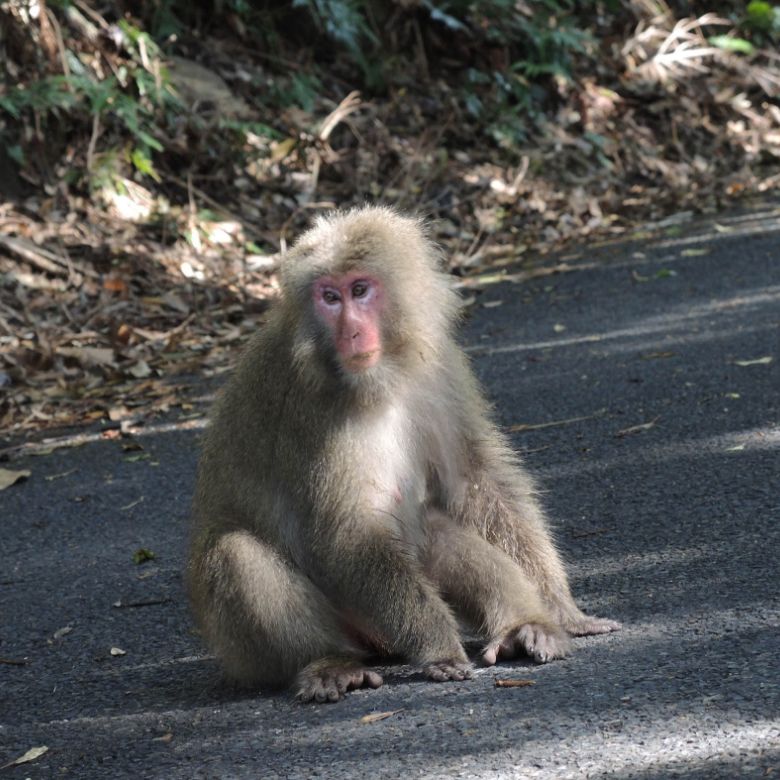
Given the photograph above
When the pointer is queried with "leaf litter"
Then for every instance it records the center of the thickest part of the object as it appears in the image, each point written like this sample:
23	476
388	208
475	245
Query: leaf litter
105	298
375	717
31	755
10	477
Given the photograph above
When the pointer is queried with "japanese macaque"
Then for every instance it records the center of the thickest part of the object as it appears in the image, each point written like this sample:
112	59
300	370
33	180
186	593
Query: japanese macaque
354	500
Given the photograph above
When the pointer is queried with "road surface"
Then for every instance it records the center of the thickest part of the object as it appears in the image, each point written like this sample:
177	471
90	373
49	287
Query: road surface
644	389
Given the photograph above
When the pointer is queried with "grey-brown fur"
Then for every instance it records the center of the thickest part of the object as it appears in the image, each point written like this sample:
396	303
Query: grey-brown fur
340	515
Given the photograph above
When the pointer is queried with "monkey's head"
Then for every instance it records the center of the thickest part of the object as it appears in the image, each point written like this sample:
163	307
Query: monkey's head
368	303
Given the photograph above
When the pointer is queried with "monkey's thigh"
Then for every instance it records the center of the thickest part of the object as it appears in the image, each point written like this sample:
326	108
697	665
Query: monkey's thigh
261	616
481	582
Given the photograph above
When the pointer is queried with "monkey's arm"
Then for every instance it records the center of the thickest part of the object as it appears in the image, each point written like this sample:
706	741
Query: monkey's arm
381	583
498	498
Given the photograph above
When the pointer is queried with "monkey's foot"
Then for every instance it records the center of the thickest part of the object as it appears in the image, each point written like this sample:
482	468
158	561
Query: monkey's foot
328	680
585	625
540	641
441	671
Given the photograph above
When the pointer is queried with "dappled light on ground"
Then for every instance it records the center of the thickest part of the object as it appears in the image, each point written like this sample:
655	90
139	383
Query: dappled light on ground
728	445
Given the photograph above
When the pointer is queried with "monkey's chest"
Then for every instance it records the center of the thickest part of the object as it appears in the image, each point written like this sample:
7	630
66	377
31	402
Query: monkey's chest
391	459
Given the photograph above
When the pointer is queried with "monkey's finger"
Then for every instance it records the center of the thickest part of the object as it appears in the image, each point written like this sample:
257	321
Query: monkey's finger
441	672
542	643
526	637
593	625
372	679
438	672
305	693
461	673
348	680
326	691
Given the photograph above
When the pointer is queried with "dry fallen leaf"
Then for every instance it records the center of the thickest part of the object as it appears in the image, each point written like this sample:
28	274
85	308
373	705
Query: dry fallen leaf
117	413
114	285
637	428
89	356
514	683
9	477
61	475
14	661
140	370
658	355
375	716
519	427
30	755
762	361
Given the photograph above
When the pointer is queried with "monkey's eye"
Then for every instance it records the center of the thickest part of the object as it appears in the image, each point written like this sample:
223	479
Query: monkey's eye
359	289
330	296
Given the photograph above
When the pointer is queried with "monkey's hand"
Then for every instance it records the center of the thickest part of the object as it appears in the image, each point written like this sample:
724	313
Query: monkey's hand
328	679
441	671
542	642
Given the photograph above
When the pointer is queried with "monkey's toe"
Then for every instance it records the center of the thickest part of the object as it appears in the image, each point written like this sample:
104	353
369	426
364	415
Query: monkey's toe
442	671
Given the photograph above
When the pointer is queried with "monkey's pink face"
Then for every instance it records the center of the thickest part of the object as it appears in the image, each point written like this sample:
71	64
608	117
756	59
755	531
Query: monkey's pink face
350	306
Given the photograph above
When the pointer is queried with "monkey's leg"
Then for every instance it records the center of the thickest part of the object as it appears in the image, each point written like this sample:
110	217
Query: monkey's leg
269	624
491	591
382	581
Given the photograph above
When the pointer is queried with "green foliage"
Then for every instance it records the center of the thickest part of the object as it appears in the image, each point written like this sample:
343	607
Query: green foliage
131	101
502	57
540	40
51	94
737	45
346	23
762	16
539	46
301	89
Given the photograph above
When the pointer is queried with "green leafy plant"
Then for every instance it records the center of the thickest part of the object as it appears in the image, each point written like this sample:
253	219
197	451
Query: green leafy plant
763	16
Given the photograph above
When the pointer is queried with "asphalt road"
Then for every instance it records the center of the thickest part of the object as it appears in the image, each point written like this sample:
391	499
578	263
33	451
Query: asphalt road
666	499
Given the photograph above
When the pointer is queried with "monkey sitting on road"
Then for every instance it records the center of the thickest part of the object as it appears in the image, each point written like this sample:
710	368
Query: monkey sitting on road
353	497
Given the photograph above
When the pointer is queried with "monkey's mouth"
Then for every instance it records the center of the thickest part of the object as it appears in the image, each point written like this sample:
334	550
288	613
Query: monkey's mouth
362	360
